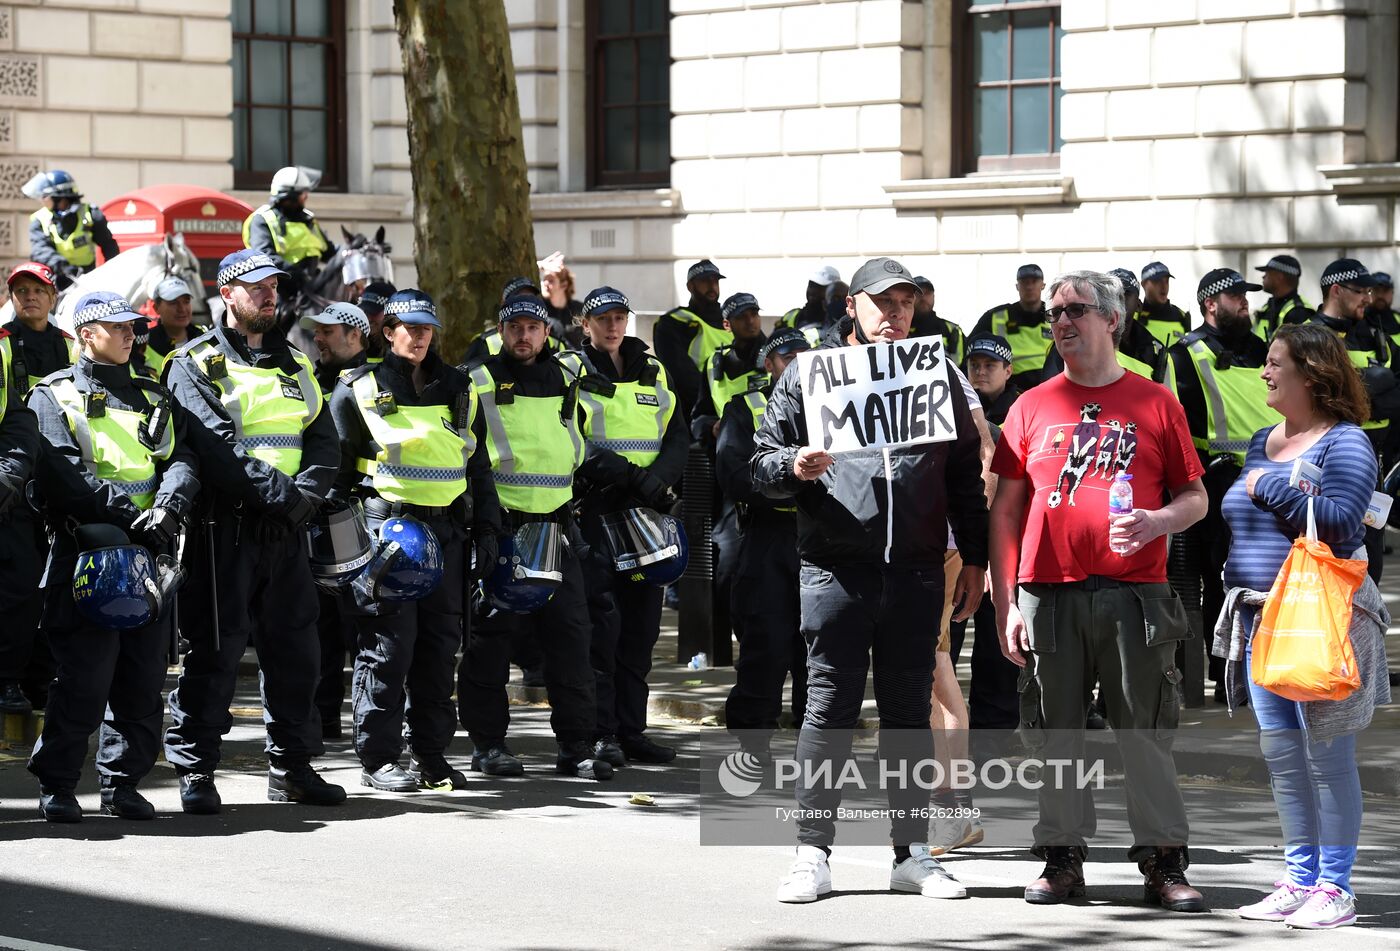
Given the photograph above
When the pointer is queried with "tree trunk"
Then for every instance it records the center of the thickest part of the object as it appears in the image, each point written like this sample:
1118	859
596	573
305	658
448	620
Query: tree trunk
471	197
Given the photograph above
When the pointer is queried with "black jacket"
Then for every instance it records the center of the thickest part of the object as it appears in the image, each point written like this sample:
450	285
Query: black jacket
603	469
159	340
328	376
997	409
37	352
21	446
1267	315
1164	312
1379	378
854	513
226	466
1246	351
733	453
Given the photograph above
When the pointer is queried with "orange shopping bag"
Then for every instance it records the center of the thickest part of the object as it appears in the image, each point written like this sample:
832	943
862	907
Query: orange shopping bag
1301	650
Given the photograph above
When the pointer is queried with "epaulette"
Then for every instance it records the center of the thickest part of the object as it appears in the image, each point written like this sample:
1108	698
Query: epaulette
55	376
354	373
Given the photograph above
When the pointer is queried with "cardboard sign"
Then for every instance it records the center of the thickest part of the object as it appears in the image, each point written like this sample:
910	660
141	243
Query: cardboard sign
877	396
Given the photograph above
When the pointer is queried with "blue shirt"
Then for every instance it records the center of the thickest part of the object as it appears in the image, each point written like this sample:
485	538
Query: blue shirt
1262	529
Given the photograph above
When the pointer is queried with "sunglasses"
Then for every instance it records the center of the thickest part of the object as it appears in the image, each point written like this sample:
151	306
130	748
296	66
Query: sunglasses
1072	311
1357	290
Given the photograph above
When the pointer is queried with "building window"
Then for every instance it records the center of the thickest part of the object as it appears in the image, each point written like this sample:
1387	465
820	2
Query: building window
1010	98
629	93
288	89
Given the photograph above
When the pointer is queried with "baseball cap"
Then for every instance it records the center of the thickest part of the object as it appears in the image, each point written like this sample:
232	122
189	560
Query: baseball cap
600	300
105	307
923	283
1127	278
411	306
878	275
1382	279
518	285
737	304
1347	271
522	305
248	266
702	268
1155	271
1223	280
826	275
1283	263
40	272
172	288
340	312
784	340
375	295
990	344
1029	270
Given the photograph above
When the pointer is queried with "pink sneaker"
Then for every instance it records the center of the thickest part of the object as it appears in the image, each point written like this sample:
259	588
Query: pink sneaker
1285	899
1327	907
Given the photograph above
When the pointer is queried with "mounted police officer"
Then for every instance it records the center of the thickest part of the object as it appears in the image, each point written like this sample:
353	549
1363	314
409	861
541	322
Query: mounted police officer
1214	372
527	427
119	460
66	233
1022	324
173	325
685	338
287	231
764	599
1286	305
1163	319
21	564
270	455
405	430
637	450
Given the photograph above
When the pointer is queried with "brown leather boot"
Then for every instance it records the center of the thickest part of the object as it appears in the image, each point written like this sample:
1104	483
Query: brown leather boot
1164	881
1062	878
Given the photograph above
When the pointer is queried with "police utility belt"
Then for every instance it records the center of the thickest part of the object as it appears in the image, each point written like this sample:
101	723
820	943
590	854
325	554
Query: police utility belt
380	508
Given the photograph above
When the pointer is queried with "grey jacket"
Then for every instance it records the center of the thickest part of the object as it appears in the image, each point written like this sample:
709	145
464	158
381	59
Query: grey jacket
1323	719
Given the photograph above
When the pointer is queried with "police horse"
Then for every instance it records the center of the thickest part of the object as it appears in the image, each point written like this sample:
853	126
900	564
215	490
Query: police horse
359	260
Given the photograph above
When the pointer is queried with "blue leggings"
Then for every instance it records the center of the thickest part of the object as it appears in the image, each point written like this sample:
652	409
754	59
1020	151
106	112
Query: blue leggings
1316	788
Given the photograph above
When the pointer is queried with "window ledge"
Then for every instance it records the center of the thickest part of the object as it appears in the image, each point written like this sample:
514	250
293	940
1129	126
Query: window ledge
983	191
623	203
1382	178
344	206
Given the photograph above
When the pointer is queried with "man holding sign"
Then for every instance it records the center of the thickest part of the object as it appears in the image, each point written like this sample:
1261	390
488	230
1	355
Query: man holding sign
872	438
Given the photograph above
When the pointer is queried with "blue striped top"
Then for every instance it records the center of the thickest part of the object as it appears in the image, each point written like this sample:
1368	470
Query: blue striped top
1262	529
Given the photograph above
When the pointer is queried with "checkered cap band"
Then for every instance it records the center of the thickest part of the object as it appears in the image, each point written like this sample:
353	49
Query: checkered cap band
416	306
1282	266
1220	285
737	304
1341	277
989	346
238	268
1155	270
523	308
700	269
349	315
373	300
609	301
101	310
1127	278
516	286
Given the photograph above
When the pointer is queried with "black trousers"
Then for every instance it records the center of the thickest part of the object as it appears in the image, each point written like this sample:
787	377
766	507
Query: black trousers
335	629
767	615
24	653
265	590
403	665
563	634
106	680
625	617
851	614
993	703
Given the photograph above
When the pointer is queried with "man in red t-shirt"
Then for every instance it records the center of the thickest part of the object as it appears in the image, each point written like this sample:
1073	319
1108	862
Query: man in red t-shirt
1076	609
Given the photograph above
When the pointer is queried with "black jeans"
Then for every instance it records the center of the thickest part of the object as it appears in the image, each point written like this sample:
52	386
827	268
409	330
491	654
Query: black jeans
24	654
853	617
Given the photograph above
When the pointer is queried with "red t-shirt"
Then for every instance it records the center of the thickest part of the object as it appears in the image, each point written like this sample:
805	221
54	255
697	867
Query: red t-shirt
1070	441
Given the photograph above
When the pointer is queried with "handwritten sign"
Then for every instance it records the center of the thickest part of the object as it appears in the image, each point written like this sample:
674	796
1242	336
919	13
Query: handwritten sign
878	395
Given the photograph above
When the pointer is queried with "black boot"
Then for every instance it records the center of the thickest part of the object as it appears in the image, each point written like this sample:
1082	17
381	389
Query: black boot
198	794
640	749
435	772
12	699
302	784
59	805
576	759
1164	881
606	749
125	802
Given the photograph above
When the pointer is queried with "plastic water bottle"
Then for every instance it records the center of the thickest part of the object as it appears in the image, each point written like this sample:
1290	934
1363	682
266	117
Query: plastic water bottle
1120	502
700	662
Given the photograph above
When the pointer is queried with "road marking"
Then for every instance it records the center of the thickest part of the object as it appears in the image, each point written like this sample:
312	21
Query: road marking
19	944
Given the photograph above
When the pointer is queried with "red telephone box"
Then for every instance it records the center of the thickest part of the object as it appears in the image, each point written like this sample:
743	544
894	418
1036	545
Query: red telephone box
211	222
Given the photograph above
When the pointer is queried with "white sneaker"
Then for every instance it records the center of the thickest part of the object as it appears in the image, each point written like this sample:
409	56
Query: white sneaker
1285	899
949	835
808	879
922	873
1327	907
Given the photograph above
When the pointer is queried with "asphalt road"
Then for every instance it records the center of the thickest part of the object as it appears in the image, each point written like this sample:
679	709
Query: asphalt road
545	862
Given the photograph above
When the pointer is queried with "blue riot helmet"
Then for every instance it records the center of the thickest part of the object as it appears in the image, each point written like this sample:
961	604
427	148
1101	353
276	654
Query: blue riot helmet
528	568
407	563
339	545
667	571
646	545
116	584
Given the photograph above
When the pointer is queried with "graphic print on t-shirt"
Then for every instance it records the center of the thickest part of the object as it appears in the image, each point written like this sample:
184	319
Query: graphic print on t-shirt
1108	447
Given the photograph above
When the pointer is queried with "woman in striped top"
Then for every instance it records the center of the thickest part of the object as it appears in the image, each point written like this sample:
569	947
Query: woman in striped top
1316	787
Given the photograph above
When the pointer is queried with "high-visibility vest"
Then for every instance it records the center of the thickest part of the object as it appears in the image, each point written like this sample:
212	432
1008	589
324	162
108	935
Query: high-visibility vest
1167	332
1236	402
292	240
812	332
269	409
723	388
707	339
1029	345
1133	364
422	458
1362	359
632	422
111	443
494	344
533	442
1264	332
7	359
25	380
78	248
757	402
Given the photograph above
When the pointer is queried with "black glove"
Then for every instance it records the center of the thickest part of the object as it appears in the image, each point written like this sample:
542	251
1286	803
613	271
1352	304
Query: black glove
299	510
649	490
158	525
486	548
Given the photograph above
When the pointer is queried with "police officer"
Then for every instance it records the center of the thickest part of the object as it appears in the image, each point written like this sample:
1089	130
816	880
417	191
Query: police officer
120	440
732	369
526	425
269	456
405	435
341	333
927	322
21	564
372	300
488	343
284	229
40	347
1379	313
1286	305
66	233
687	336
637	449
1214	371
1022	323
1346	292
173	325
810	318
763	601
1163	319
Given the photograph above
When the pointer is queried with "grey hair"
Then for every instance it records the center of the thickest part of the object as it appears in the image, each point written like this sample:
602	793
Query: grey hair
1104	291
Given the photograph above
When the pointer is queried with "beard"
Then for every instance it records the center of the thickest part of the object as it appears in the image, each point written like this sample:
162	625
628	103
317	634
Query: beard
1234	326
257	322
